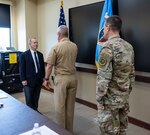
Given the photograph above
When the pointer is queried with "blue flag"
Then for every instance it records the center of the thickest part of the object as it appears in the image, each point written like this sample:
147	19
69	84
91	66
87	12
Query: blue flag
62	20
107	11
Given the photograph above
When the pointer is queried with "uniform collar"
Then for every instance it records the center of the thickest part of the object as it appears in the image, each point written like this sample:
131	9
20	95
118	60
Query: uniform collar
64	39
114	36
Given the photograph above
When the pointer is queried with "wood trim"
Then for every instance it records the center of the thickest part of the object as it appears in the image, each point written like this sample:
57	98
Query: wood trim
91	105
139	123
139	78
131	119
88	70
142	78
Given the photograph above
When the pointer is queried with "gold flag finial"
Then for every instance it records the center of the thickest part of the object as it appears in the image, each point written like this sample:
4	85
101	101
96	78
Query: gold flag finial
61	3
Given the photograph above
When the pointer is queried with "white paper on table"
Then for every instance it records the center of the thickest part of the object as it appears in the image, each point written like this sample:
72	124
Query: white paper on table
3	95
44	131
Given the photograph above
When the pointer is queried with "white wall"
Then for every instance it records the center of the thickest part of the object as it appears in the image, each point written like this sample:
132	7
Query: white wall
86	86
31	19
140	102
21	25
26	22
13	26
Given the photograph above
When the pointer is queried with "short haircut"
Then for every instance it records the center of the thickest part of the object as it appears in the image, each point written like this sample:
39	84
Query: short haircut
114	22
63	29
30	39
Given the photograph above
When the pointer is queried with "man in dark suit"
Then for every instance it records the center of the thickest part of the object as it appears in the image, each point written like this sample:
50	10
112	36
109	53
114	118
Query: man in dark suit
32	72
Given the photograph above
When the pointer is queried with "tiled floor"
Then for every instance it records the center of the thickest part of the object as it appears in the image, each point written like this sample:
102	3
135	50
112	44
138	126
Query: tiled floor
84	120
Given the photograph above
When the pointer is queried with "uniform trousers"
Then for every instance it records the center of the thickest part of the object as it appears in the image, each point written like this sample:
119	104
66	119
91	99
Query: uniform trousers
65	87
113	121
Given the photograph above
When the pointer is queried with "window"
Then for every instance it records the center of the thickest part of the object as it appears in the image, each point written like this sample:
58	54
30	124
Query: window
5	34
4	37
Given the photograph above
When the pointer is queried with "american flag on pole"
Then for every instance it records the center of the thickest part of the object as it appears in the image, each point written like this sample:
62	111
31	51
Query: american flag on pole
62	20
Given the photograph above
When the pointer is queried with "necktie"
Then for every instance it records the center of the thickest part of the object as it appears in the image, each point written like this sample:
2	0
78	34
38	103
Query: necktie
37	62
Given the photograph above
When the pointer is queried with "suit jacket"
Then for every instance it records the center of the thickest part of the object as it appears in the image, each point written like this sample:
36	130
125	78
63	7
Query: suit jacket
27	69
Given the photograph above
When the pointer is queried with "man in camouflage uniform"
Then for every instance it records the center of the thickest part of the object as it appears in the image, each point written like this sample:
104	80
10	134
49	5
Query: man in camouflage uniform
114	80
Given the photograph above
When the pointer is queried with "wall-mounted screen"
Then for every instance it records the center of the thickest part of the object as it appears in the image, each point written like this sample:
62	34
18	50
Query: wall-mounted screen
136	29
83	28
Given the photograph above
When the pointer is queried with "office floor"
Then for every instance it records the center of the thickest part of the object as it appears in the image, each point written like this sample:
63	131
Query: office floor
84	119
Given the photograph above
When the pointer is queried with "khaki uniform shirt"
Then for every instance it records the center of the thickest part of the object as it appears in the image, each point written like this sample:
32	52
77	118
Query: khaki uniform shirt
63	57
116	72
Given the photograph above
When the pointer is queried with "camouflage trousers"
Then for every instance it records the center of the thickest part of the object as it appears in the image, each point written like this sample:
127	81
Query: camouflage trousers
113	121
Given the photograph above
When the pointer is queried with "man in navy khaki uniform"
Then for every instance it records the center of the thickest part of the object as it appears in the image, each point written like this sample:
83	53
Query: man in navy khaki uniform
62	57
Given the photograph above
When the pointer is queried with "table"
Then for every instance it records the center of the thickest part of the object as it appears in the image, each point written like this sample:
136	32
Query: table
16	118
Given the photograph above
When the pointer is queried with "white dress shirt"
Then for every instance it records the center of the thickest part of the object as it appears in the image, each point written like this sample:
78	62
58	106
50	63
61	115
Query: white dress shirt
32	52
